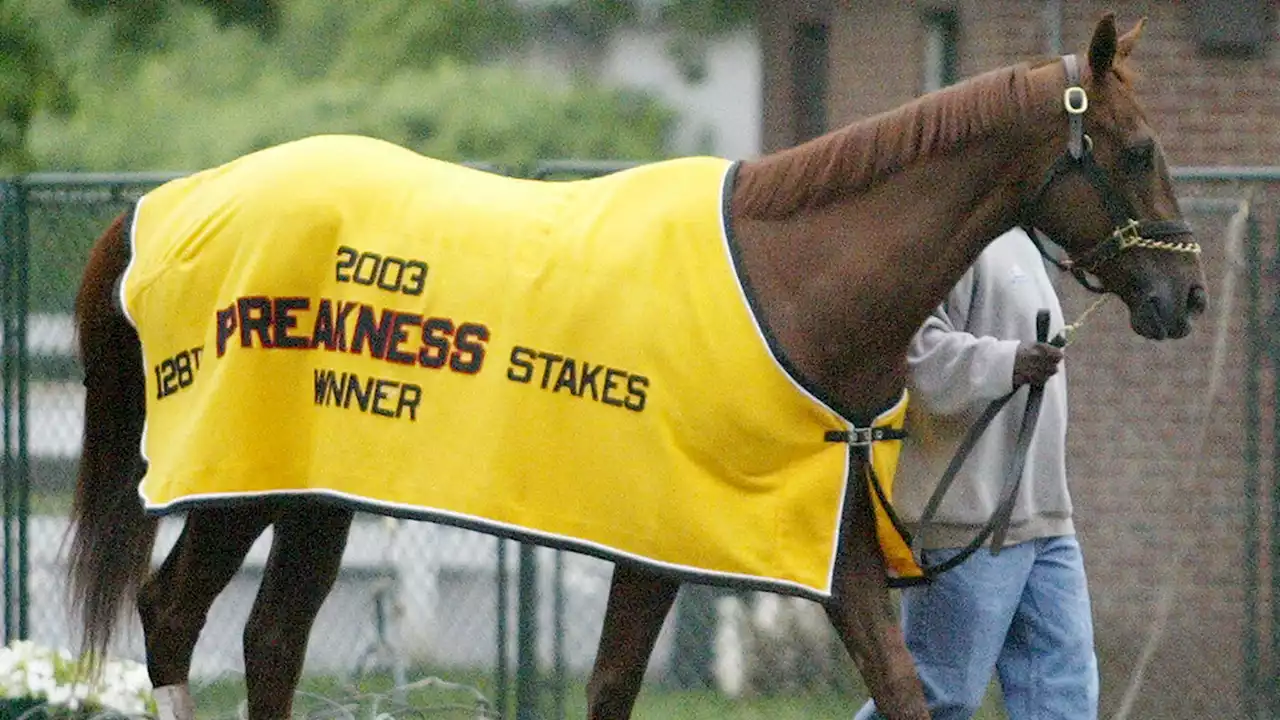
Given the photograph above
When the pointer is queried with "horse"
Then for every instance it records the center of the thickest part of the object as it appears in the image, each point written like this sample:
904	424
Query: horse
843	245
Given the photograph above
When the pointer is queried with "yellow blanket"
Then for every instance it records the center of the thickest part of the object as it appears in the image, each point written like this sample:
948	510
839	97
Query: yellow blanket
571	363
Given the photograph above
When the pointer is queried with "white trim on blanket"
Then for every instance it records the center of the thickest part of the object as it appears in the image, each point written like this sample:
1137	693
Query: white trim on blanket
782	368
124	310
133	255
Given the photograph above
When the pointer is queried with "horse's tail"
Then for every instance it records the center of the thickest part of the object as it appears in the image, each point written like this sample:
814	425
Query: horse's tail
112	536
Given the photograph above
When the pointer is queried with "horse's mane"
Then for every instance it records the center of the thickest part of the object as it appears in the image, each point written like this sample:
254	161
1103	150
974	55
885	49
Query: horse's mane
851	158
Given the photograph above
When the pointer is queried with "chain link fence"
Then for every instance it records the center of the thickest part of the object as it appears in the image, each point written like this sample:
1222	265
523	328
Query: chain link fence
417	600
1171	454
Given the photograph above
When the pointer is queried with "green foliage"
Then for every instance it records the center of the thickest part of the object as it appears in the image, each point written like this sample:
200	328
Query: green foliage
393	69
29	82
163	84
693	21
371	41
493	114
222	92
590	19
708	18
134	22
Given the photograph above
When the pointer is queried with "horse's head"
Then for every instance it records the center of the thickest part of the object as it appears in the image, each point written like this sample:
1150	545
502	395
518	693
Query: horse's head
1108	200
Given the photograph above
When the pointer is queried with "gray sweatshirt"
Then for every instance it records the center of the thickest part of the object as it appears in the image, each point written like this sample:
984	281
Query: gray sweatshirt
960	360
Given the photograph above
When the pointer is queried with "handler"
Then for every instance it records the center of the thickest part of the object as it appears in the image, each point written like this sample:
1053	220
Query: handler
1025	612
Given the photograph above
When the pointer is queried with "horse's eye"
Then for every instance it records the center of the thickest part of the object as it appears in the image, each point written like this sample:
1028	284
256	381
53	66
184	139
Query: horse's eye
1138	158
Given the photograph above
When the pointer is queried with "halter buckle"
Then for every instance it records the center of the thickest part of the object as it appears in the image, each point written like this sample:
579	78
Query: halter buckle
1075	100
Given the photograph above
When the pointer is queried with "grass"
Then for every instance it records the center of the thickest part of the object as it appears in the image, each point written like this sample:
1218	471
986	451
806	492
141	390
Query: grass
330	697
655	703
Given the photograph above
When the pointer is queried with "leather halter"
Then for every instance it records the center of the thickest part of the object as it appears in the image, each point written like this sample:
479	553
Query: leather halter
1128	233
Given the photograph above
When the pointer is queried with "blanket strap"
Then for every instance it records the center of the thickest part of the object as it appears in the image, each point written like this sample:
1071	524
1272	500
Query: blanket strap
863	437
859	440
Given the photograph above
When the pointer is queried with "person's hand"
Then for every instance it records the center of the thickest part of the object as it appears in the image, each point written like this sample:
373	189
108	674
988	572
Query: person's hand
1035	363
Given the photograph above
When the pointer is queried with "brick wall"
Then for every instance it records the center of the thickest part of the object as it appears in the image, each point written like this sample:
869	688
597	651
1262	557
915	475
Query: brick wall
1149	507
1209	110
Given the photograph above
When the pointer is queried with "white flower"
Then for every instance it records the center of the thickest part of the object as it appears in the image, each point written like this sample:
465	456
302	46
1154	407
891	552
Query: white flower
54	676
59	695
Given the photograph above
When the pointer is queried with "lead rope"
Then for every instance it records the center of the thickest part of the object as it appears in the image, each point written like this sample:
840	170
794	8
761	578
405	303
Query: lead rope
1069	331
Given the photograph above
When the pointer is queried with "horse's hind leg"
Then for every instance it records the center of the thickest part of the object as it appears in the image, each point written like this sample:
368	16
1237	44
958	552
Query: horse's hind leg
174	603
306	551
638	603
863	616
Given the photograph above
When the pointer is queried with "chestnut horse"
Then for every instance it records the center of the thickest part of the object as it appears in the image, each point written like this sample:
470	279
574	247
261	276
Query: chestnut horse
847	242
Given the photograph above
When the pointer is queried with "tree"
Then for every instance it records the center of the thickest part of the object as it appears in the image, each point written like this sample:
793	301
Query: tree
332	67
135	21
457	28
464	30
206	80
28	82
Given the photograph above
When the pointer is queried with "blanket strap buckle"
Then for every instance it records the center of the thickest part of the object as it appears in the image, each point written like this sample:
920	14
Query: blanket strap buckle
864	436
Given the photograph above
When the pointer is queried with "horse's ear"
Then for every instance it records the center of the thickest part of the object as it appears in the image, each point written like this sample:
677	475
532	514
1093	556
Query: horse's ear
1102	49
1124	46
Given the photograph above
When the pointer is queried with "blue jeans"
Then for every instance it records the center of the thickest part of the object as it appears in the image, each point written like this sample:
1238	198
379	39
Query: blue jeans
1024	613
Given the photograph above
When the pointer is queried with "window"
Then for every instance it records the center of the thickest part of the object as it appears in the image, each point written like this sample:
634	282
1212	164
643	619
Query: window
940	41
809	79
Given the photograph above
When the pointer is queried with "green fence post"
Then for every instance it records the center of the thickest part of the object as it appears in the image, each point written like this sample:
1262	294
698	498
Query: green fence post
557	638
1273	688
527	635
21	244
7	388
14	226
501	671
1253	475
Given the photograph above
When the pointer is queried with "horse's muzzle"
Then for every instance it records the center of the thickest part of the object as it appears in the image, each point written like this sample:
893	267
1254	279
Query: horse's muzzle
1161	316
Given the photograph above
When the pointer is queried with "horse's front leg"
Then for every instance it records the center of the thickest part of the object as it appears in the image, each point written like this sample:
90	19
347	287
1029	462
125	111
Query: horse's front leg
863	615
638	603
